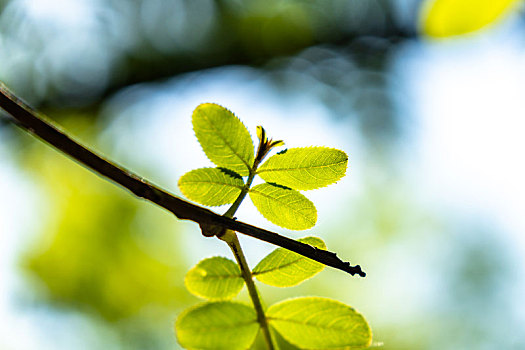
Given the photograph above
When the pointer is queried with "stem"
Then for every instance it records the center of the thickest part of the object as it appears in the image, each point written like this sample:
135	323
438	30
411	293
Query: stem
231	211
230	237
233	242
32	122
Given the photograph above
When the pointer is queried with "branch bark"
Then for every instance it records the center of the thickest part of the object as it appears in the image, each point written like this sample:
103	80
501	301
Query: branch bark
33	122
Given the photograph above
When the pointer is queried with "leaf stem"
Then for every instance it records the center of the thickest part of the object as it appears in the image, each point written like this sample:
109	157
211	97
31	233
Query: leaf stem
230	237
231	211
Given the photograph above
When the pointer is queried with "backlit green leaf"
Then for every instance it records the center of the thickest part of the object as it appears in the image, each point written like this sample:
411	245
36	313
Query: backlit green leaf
217	325
319	323
283	206
446	18
211	186
305	168
215	278
223	137
283	268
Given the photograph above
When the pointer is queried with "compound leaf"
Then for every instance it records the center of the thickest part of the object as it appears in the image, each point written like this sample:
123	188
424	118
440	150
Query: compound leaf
223	325
211	186
283	206
283	268
223	137
215	278
319	323
446	18
305	168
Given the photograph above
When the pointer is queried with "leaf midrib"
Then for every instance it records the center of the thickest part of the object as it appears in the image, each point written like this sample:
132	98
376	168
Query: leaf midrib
279	267
262	169
212	182
311	325
215	277
285	204
225	141
221	326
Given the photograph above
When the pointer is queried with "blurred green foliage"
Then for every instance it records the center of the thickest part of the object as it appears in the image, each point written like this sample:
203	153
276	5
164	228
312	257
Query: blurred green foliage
94	49
101	250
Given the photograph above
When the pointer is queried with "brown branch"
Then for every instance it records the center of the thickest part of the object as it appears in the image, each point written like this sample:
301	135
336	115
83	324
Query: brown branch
34	123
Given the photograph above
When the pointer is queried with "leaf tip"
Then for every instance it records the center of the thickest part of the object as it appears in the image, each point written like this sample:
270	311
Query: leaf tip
223	137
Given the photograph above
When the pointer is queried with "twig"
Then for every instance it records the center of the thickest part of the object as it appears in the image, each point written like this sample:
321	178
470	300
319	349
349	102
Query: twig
34	123
233	242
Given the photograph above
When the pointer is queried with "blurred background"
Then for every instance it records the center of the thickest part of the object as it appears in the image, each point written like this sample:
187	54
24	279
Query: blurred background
426	97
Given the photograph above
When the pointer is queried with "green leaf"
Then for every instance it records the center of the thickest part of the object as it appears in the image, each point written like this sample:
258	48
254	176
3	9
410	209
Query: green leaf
217	325
223	137
211	186
215	278
305	168
283	206
319	323
446	18
283	268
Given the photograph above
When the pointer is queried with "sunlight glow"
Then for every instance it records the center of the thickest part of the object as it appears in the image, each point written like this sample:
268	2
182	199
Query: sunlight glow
60	13
470	101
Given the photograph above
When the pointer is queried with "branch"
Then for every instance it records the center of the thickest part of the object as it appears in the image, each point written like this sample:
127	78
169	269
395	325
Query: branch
34	123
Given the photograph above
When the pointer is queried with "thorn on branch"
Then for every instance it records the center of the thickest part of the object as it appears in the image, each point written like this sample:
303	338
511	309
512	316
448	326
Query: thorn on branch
354	270
340	264
211	230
